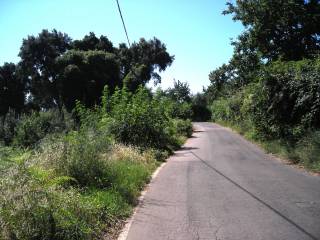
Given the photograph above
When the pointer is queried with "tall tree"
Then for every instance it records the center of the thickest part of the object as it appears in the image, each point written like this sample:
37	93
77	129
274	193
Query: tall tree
140	62
60	71
91	42
286	29
38	55
11	89
221	80
83	75
180	92
245	62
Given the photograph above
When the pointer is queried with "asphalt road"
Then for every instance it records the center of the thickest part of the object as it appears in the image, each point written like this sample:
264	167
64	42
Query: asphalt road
220	186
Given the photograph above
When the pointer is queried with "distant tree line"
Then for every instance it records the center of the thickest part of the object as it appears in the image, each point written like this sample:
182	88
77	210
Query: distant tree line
56	71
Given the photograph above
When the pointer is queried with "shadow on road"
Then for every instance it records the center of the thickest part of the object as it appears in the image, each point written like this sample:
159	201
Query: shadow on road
187	149
257	198
198	131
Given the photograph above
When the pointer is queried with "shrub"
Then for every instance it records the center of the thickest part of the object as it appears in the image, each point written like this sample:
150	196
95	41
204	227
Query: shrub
8	128
180	110
139	120
78	155
308	150
183	127
77	182
32	128
37	202
34	206
220	110
228	109
286	100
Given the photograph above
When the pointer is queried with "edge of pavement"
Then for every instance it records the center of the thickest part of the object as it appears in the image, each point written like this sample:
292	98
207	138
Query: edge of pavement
125	230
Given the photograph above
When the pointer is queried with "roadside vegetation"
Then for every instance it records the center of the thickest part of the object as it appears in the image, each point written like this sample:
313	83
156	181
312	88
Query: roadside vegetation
81	134
270	89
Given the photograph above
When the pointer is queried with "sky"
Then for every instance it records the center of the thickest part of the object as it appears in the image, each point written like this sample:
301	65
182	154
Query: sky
194	31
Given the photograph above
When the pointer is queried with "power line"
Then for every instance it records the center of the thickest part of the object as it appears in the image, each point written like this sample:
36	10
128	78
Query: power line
124	26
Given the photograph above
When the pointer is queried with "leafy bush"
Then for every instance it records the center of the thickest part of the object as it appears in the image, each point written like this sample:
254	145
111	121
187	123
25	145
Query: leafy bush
78	155
139	120
183	127
287	100
75	183
34	206
227	109
178	110
220	110
34	127
308	150
37	202
177	101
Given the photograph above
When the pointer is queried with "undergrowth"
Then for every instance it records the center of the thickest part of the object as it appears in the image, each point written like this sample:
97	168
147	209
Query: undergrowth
49	201
64	181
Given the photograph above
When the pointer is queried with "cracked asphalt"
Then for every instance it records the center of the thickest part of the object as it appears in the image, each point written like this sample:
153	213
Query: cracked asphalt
220	186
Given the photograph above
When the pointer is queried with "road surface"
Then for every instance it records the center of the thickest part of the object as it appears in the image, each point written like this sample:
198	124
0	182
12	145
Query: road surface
220	186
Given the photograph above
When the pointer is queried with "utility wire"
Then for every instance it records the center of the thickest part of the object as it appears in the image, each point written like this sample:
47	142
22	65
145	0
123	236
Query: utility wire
124	26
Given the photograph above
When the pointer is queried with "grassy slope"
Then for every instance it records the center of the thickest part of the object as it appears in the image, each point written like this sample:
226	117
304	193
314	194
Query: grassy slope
79	213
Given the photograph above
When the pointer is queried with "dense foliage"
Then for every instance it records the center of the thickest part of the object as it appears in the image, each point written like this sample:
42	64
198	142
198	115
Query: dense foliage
76	181
286	100
81	134
286	29
55	71
139	115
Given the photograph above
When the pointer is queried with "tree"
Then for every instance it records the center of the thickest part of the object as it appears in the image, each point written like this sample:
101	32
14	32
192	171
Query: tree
221	80
38	56
245	62
178	100
286	29
83	75
200	107
140	62
11	89
286	101
180	92
91	42
58	71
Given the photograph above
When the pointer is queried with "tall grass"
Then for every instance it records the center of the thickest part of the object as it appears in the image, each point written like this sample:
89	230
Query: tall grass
74	201
77	184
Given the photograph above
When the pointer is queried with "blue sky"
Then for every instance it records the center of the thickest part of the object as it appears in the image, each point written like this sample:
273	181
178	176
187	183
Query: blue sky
194	31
